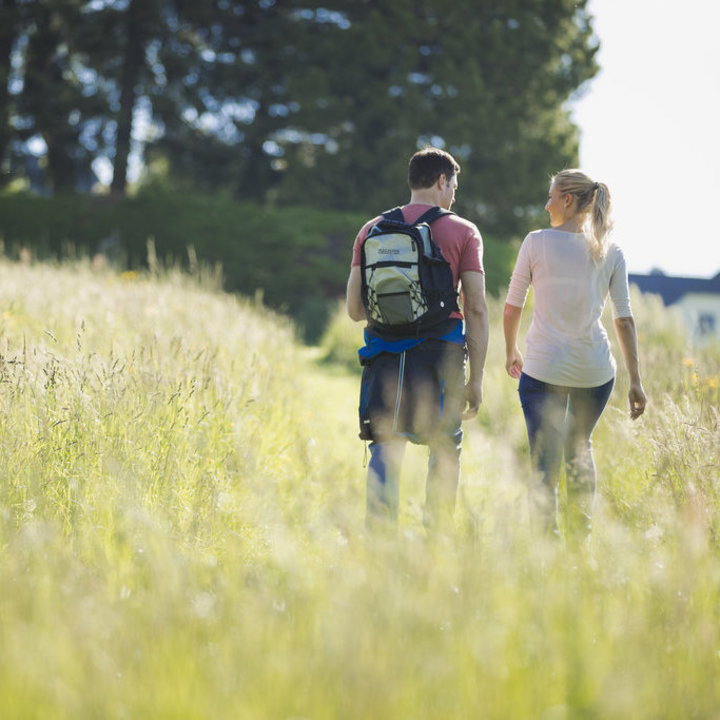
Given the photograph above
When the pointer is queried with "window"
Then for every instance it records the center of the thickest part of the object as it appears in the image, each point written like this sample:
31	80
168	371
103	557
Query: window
706	323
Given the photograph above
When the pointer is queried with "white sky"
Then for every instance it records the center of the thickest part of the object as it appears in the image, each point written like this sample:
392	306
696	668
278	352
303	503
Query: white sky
650	124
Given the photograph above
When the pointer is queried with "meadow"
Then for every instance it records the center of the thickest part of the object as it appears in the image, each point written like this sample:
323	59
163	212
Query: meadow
182	527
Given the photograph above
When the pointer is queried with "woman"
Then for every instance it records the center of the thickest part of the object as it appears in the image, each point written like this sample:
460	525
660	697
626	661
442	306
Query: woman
568	373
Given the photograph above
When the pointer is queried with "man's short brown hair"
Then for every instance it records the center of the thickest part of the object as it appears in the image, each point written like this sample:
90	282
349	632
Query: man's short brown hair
427	165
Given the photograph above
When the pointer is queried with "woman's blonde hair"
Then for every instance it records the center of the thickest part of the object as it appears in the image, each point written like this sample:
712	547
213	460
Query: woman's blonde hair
593	198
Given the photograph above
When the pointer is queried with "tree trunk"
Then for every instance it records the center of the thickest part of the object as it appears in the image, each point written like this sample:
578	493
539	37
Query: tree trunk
8	28
132	66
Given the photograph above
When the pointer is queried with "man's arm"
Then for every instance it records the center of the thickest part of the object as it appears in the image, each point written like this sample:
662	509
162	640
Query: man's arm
353	295
476	337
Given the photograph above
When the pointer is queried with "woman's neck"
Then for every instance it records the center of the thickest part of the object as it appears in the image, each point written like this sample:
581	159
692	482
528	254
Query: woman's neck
572	225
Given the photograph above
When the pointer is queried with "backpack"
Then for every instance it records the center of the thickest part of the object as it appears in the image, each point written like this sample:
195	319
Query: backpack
407	285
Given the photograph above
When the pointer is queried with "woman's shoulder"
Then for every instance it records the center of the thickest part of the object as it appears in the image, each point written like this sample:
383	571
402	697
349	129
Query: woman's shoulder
615	252
534	235
538	236
550	232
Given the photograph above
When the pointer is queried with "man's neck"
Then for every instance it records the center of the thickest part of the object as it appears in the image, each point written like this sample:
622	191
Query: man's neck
423	197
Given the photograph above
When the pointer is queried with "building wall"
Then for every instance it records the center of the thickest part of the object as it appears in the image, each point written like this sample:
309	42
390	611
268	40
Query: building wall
701	313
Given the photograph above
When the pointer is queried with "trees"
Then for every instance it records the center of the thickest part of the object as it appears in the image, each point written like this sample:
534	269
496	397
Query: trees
48	95
292	102
487	81
8	34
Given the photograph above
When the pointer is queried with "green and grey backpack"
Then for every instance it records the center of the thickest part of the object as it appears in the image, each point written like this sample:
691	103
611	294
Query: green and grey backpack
407	285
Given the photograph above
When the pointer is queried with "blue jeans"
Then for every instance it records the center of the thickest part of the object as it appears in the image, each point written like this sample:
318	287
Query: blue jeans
443	477
560	421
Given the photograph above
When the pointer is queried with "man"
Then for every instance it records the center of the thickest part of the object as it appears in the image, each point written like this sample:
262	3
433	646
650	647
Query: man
414	388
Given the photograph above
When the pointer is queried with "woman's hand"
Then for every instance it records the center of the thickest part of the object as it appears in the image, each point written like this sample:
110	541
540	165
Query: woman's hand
637	398
627	338
511	326
514	363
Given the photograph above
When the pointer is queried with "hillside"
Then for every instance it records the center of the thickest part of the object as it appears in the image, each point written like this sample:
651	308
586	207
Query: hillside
181	522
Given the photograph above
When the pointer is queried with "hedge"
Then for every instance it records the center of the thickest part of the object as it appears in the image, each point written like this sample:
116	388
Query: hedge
297	257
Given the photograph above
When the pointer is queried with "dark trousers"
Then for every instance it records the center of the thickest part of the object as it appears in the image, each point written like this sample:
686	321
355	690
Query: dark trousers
560	422
414	396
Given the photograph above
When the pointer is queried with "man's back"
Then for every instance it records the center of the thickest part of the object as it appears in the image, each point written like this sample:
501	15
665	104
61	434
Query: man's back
458	239
415	388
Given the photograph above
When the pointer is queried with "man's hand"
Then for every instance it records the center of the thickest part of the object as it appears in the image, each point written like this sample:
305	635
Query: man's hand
473	399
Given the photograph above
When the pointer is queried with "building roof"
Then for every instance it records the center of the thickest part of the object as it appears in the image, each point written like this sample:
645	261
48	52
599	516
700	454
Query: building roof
671	289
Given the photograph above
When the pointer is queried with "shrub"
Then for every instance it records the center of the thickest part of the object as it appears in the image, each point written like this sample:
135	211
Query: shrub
296	258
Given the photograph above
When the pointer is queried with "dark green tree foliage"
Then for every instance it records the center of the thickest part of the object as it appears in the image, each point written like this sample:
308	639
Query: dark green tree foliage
90	70
237	98
144	53
9	32
323	104
289	102
47	93
53	104
487	81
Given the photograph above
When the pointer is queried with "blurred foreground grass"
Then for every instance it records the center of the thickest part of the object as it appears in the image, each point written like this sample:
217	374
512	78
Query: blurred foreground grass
181	524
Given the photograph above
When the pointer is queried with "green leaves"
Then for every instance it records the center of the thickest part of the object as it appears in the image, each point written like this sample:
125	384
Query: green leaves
308	104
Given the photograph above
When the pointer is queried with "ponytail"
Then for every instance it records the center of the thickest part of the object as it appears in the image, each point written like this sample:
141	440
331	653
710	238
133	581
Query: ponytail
593	198
600	222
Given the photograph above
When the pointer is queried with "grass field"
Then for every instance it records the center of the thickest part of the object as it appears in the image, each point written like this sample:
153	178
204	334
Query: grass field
182	528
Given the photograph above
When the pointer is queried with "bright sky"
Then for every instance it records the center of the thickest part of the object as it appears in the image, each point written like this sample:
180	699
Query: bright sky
650	123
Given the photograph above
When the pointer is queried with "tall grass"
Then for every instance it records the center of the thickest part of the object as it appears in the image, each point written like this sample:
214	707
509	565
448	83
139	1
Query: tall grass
181	522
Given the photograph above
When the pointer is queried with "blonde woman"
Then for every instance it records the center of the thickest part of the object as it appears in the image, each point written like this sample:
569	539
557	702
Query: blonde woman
568	372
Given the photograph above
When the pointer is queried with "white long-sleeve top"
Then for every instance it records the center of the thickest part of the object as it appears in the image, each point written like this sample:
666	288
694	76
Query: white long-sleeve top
567	343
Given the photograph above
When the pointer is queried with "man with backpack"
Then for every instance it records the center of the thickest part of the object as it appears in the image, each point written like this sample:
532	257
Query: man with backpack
407	268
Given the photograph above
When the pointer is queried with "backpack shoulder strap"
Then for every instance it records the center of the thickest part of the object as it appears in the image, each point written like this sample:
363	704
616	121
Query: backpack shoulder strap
394	214
428	216
433	214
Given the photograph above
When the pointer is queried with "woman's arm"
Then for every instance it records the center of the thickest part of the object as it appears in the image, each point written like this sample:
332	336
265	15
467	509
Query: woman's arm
517	293
627	339
511	326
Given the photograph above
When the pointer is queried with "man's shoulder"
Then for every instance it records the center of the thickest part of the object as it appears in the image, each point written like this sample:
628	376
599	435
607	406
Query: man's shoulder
413	211
365	229
460	220
457	226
